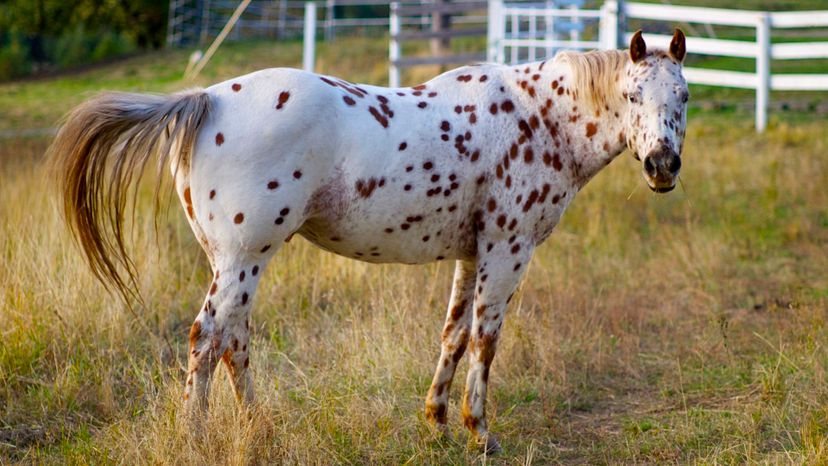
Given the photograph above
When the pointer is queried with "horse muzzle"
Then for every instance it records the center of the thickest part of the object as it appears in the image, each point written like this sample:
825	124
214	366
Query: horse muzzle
661	169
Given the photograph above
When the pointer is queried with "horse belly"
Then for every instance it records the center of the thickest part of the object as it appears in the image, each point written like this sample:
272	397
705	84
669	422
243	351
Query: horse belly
418	232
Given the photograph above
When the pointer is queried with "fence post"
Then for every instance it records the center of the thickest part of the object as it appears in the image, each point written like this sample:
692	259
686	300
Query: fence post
533	32
608	25
309	41
549	29
763	72
514	32
575	23
394	47
440	22
330	6
495	33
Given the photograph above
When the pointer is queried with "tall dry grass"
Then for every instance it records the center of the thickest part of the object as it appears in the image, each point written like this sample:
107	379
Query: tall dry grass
681	328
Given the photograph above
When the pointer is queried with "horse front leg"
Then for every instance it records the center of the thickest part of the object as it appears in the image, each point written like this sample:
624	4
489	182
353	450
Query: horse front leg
455	337
500	270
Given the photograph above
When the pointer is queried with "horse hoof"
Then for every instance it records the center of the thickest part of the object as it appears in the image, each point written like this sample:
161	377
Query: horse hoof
441	430
490	445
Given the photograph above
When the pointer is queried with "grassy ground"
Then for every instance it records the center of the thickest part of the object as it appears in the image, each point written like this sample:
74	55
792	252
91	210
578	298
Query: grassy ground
684	328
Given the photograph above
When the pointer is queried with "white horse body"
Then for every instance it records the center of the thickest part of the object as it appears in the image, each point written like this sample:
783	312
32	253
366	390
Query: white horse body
476	165
399	215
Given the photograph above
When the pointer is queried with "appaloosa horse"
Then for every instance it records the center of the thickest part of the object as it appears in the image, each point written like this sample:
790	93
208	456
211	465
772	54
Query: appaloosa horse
476	165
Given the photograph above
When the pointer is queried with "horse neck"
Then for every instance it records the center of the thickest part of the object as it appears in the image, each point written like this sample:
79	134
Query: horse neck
594	133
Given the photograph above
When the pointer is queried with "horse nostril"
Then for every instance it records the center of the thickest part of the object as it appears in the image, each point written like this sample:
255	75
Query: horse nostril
649	166
675	164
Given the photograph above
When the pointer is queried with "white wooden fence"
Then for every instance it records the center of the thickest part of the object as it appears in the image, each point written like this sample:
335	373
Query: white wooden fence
533	31
613	34
463	12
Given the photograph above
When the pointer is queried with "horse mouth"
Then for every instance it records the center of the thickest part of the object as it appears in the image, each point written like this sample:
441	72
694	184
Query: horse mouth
663	189
660	184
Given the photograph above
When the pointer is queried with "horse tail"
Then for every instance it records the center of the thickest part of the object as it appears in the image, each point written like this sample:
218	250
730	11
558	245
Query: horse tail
100	152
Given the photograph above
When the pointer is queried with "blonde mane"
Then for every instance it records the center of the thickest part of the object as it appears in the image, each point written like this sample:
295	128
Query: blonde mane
596	74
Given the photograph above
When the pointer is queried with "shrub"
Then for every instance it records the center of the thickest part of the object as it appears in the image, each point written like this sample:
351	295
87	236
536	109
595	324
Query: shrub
72	47
111	45
14	58
80	46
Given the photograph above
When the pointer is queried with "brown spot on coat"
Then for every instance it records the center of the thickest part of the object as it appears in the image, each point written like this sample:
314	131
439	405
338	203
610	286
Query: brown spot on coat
528	155
527	130
556	162
366	188
378	116
533	197
283	98
591	129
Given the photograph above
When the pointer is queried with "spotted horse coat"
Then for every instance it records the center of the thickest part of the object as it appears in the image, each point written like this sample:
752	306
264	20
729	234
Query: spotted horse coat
476	166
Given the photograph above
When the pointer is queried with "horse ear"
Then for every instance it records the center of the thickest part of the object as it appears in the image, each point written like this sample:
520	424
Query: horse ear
677	47
638	49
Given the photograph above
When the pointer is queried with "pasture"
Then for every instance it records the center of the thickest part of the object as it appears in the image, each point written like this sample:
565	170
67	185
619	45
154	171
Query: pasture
683	328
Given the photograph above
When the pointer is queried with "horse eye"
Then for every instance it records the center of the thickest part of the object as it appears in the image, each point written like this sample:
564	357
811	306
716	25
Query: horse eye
632	98
685	97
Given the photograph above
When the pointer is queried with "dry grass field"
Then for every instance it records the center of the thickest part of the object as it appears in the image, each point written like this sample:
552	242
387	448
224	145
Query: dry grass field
682	328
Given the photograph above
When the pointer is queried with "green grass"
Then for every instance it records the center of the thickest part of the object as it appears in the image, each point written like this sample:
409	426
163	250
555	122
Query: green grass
683	328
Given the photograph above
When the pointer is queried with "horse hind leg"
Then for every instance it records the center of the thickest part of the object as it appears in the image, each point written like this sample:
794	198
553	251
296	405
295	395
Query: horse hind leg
454	339
221	331
241	220
236	359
